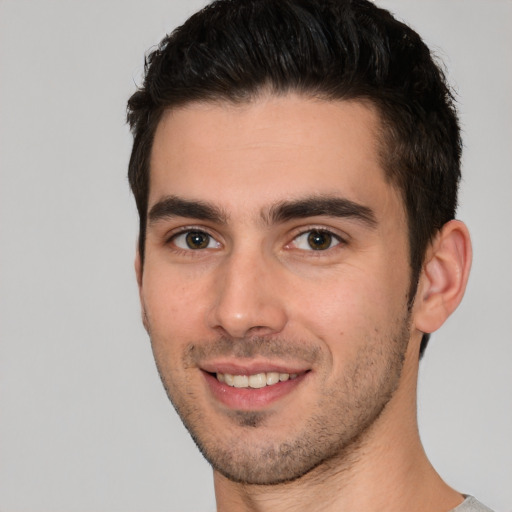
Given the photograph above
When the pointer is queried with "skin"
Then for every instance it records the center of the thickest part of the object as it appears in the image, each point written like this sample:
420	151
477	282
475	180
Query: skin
257	293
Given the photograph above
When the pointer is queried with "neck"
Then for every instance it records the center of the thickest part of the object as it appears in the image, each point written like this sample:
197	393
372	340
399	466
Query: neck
385	470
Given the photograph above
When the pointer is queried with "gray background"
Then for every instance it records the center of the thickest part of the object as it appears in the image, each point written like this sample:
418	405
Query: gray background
84	423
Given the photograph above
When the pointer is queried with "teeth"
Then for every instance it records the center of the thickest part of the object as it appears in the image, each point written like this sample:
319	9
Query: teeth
256	381
273	378
240	381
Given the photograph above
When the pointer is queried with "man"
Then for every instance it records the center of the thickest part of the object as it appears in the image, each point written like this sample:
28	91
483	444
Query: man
295	167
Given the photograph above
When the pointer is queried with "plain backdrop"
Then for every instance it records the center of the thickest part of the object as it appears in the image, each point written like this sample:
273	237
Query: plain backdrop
84	422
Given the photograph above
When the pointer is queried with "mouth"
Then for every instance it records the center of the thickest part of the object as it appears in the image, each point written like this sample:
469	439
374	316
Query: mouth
252	389
256	380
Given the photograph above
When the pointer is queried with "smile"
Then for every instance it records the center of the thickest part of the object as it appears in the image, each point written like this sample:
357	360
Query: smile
256	381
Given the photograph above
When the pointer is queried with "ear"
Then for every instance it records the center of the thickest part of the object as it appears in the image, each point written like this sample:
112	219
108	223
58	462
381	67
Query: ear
444	277
138	267
138	274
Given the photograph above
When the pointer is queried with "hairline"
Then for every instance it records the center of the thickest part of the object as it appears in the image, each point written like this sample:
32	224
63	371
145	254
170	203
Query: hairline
381	137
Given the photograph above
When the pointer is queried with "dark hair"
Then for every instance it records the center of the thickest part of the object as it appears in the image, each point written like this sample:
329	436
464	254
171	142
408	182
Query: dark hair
232	50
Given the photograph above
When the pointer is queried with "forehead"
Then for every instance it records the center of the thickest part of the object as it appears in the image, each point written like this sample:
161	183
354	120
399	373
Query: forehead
249	155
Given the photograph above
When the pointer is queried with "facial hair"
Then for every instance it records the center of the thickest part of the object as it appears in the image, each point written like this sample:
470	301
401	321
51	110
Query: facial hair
343	413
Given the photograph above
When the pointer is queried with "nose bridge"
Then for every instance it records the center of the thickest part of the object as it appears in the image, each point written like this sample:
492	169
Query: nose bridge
247	299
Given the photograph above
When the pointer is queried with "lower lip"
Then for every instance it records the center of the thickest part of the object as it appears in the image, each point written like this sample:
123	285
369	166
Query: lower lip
250	399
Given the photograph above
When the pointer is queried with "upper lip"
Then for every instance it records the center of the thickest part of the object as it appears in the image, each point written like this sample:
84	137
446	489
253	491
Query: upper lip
251	368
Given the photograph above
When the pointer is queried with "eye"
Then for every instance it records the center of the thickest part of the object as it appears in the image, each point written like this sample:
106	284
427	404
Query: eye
316	240
194	240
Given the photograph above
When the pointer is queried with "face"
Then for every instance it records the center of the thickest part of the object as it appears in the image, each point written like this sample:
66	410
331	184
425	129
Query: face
275	280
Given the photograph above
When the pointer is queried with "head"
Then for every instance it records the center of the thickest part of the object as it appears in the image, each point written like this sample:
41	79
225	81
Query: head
295	166
325	49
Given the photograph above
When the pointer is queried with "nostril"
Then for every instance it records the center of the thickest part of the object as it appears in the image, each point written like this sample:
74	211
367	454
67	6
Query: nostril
246	305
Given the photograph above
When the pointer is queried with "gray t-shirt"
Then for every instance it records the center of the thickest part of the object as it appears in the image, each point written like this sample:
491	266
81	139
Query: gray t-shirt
471	505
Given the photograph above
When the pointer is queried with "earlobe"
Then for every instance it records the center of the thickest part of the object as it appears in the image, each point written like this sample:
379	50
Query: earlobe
138	274
138	267
444	277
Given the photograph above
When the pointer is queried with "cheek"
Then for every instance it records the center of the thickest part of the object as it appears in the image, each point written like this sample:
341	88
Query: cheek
172	307
350	306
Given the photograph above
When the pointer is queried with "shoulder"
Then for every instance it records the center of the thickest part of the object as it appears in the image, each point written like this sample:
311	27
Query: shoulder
470	504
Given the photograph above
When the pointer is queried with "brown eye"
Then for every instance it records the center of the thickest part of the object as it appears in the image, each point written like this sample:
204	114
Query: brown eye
197	240
316	240
194	240
320	240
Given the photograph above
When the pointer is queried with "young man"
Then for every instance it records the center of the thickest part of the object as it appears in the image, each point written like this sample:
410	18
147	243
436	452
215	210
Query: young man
295	167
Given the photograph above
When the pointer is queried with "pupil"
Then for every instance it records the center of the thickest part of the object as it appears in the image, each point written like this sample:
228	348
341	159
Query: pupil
197	240
319	241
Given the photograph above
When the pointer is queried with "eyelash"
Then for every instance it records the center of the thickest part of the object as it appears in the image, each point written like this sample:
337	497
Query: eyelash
334	238
171	240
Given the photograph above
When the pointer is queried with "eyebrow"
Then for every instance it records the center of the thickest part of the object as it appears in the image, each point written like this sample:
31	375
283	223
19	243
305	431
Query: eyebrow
321	205
173	206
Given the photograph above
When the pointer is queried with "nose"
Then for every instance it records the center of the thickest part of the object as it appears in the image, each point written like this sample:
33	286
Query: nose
248	297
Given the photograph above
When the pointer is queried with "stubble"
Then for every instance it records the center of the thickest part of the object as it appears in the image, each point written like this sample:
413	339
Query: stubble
329	435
